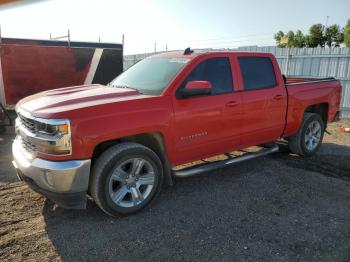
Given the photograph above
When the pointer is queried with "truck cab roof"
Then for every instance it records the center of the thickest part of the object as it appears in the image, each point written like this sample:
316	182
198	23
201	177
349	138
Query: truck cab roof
197	53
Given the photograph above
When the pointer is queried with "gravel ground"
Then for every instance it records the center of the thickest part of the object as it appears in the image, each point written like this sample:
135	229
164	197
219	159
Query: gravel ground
276	208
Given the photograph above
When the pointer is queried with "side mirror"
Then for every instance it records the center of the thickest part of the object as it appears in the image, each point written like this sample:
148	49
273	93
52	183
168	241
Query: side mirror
195	88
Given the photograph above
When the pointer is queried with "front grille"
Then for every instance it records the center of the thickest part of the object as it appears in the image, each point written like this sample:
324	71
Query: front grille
28	146
31	126
28	123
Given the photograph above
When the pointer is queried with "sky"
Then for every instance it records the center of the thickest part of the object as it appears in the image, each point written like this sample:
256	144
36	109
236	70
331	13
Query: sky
176	24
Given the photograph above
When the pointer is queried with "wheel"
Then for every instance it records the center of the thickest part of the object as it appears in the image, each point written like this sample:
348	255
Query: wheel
309	137
125	178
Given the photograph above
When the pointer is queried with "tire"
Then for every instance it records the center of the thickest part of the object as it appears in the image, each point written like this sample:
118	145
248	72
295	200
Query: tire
307	141
125	178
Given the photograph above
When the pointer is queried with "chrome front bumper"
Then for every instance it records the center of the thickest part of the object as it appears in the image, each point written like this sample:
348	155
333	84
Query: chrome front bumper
58	178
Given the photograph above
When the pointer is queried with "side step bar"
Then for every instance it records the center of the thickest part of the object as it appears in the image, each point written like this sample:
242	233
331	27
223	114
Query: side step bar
191	171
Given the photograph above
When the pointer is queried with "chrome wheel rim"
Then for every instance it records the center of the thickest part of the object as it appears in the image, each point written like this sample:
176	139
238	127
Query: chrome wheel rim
313	135
131	182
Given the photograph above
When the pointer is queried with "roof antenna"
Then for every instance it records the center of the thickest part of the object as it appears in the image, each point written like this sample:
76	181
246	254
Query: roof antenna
188	51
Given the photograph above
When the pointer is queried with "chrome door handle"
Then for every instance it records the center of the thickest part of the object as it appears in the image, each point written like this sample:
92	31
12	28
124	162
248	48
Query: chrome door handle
232	104
278	97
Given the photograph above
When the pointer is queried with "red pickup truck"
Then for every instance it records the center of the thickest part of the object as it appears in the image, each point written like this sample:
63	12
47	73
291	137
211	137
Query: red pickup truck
119	142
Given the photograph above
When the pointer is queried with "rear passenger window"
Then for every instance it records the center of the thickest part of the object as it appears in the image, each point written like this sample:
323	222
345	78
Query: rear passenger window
257	72
217	71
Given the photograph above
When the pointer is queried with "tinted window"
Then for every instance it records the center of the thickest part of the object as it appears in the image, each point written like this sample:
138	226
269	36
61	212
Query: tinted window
257	72
217	71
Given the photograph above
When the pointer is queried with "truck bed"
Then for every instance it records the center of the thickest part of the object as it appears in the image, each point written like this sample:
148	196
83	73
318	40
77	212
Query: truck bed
303	93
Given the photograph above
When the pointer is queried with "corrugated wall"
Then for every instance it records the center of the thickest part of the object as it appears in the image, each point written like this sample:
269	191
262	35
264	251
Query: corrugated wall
301	62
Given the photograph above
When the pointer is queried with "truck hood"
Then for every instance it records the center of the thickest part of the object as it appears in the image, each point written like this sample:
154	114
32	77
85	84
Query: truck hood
49	103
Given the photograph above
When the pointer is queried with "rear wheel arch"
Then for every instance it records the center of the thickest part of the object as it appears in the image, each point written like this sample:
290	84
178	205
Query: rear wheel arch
298	142
321	110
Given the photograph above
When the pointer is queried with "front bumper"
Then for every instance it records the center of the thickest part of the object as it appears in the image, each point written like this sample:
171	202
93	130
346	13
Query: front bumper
64	182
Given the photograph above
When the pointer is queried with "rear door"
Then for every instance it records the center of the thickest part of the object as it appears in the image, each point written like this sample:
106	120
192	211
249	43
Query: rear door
210	124
264	100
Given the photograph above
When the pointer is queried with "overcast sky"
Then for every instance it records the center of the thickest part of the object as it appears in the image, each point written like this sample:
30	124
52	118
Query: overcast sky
180	23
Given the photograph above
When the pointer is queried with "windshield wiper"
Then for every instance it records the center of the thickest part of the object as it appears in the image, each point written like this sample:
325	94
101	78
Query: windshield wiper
124	86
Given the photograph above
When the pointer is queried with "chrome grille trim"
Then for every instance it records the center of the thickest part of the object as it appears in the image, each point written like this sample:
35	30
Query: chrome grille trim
27	145
29	124
28	116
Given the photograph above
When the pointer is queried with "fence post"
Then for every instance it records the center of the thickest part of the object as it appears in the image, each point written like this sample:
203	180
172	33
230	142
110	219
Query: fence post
289	56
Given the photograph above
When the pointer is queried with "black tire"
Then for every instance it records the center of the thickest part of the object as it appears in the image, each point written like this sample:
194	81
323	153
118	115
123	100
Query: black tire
297	143
112	159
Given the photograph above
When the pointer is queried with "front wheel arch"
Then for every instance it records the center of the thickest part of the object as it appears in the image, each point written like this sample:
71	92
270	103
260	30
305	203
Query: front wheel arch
153	140
105	165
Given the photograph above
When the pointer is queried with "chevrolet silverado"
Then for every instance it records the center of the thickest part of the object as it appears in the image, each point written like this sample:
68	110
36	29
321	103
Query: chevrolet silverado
119	143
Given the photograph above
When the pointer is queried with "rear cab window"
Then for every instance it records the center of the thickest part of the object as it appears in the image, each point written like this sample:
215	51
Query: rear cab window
257	72
217	71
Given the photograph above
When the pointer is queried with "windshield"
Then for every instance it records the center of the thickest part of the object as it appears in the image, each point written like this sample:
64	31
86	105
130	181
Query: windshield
151	75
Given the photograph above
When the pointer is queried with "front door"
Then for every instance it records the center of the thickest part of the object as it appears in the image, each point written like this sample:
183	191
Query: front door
210	124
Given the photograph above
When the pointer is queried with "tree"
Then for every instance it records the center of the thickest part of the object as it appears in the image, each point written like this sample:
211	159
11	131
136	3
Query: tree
333	36
279	36
340	38
347	34
307	40
299	39
319	35
288	39
316	37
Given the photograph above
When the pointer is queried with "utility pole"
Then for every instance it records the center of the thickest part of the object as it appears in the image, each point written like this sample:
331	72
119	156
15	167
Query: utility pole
123	39
166	47
327	20
123	52
155	47
68	35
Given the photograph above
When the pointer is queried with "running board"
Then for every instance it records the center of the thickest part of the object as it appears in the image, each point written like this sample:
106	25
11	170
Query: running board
191	171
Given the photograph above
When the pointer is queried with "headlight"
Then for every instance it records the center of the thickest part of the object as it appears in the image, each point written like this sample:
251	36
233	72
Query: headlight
49	129
45	136
55	137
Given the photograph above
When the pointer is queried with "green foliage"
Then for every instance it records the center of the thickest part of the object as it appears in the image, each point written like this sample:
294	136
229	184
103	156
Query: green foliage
316	37
290	37
319	35
333	36
279	37
347	34
299	39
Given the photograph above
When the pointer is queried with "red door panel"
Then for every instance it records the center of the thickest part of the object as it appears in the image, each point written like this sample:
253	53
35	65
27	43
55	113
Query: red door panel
264	113
264	99
206	126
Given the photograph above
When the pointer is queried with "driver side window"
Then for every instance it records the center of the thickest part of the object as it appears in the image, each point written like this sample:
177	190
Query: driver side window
217	71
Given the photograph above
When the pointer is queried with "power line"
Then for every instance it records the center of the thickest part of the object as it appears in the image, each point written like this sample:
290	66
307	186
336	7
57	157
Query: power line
230	37
240	36
235	41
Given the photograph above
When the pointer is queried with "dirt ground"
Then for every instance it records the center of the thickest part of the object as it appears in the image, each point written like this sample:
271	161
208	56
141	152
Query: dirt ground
277	208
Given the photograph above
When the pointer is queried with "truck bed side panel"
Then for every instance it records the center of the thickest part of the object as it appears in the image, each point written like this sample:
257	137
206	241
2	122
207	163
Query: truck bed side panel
303	95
